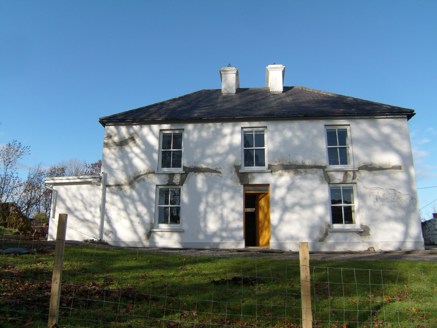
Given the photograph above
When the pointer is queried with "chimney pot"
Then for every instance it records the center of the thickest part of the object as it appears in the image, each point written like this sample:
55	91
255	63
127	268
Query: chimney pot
230	80
275	78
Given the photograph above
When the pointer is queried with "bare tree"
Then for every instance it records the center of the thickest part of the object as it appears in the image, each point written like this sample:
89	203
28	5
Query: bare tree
74	167
31	197
9	180
95	168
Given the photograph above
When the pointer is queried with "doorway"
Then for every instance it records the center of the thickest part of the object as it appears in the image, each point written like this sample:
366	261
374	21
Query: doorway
257	229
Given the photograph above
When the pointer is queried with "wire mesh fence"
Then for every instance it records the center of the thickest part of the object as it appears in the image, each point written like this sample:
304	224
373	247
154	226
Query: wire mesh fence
112	287
374	298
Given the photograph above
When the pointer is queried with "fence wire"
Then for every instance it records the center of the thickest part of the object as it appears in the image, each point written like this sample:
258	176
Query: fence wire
111	287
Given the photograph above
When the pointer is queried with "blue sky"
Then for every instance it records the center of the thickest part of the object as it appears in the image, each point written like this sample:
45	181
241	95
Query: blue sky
64	64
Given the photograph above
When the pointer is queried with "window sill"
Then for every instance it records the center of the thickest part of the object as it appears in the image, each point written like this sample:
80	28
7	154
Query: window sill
170	172
255	171
167	230
340	168
352	229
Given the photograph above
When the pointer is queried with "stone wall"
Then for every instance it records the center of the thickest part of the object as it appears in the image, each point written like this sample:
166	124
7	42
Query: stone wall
429	230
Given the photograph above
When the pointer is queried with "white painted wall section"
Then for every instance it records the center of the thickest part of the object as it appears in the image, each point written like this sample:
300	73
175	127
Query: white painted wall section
79	197
212	187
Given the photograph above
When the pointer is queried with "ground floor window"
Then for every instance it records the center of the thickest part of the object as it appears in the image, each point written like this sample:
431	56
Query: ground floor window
342	205
169	205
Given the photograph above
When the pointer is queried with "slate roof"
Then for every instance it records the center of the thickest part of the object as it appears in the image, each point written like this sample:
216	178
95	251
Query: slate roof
255	103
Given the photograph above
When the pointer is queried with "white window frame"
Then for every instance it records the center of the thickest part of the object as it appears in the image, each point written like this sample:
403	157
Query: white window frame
254	168
350	165
339	227
167	226
161	139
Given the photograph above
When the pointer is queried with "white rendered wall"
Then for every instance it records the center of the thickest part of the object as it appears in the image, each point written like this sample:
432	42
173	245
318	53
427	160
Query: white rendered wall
212	186
81	202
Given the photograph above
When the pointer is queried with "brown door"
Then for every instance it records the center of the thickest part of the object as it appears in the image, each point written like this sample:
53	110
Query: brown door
257	215
263	220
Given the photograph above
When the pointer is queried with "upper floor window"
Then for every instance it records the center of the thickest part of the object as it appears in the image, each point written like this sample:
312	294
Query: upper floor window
171	150
338	139
342	204
254	148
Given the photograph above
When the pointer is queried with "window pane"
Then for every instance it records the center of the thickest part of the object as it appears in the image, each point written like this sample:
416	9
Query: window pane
248	139
256	188
343	156
259	138
337	215
163	196
348	215
342	137
177	159
348	195
166	159
174	215
175	198
177	140
336	195
333	156
163	215
248	157
259	157
166	141
332	137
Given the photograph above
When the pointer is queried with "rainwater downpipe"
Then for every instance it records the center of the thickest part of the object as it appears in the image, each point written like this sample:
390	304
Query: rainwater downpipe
102	205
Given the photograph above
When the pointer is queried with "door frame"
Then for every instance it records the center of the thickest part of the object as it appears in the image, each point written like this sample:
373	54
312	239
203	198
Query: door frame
262	215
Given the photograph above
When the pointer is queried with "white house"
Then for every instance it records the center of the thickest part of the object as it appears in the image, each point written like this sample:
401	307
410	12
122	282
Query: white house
239	167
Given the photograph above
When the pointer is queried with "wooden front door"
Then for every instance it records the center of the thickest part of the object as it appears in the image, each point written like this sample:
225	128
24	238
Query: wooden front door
257	230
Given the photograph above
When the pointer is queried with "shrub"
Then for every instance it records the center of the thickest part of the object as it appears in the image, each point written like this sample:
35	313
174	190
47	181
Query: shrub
11	217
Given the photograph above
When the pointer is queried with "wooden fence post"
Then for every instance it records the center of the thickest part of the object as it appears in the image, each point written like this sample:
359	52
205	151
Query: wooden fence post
305	285
55	295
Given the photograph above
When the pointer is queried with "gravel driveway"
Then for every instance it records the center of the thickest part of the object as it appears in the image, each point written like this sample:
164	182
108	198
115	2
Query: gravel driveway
429	255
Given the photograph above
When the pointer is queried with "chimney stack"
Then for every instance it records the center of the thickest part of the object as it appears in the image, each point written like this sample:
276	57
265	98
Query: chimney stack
275	78
230	80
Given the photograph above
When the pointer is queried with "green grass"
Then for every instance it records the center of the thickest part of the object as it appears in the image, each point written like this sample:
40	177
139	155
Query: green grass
121	288
6	231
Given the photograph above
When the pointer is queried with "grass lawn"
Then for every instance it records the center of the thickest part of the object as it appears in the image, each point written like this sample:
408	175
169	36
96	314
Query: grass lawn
6	231
122	288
